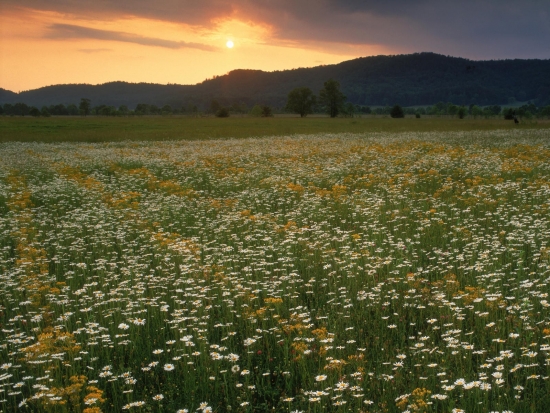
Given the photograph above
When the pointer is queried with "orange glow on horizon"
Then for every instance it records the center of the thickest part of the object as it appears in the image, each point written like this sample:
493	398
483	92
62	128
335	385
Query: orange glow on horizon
44	48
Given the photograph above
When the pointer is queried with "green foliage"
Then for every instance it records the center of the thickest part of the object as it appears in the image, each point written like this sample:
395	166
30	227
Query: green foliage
85	105
475	111
256	111
461	112
34	112
191	109
301	100
509	114
331	98
19	109
545	112
348	110
222	112
214	106
267	112
397	112
239	107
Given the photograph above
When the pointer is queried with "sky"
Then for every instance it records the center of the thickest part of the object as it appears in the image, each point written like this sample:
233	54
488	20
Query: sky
184	41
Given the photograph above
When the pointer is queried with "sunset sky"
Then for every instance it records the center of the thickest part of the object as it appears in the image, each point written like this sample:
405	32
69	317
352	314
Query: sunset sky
180	41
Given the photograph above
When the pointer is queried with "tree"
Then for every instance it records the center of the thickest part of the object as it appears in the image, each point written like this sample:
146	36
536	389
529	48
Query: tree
267	112
142	109
452	109
123	110
214	106
332	98
397	112
461	113
34	111
301	100
256	111
348	110
476	111
192	109
509	113
8	109
545	112
45	112
84	106
222	112
72	110
21	109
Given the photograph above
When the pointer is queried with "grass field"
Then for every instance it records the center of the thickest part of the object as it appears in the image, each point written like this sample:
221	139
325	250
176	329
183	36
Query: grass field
374	272
102	129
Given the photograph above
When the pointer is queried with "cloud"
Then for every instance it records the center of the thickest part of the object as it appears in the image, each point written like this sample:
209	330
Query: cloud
469	28
69	31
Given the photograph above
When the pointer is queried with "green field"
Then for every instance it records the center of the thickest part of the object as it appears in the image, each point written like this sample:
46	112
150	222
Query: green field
372	271
103	129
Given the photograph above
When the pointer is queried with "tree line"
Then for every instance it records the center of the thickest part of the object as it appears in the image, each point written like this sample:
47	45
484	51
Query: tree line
301	101
332	101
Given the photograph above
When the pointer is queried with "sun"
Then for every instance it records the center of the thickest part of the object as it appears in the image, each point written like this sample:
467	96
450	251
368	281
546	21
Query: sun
230	44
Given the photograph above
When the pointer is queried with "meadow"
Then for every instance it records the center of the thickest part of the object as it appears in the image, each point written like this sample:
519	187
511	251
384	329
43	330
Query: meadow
160	128
373	271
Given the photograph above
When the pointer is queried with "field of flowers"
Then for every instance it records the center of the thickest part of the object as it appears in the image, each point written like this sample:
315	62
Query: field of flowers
331	273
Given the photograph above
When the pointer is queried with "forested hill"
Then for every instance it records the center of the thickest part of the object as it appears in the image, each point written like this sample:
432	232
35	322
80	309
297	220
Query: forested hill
408	80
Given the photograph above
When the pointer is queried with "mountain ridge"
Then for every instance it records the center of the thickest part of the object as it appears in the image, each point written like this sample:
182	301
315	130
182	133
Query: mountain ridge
414	79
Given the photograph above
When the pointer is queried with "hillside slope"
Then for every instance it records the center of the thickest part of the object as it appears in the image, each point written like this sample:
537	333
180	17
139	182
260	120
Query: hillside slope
415	79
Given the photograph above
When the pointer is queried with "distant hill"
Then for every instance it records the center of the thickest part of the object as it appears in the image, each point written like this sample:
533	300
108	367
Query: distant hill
408	80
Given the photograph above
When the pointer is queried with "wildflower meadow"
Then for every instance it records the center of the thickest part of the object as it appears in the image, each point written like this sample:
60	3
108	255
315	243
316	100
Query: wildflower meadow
402	272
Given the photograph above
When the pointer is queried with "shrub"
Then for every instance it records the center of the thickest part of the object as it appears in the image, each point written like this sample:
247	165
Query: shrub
267	112
509	114
397	112
256	111
222	113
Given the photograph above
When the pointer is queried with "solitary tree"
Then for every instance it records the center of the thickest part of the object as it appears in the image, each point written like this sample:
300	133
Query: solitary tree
301	100
331	97
84	106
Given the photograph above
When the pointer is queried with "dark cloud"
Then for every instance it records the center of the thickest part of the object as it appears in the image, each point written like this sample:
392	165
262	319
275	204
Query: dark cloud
469	28
481	29
69	31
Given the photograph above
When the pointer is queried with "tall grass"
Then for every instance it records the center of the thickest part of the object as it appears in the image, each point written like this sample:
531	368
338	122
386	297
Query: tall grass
330	273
